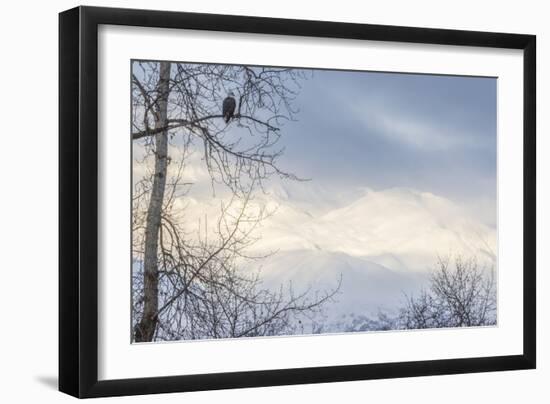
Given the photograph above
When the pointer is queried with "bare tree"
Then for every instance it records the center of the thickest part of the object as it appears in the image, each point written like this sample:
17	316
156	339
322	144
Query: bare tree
193	288
202	292
461	294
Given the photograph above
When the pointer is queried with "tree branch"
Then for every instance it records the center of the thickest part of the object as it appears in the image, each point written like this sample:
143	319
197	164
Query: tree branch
179	123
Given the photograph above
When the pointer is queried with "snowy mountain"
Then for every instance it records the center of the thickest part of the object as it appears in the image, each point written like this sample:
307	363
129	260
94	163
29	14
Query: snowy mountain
399	228
382	243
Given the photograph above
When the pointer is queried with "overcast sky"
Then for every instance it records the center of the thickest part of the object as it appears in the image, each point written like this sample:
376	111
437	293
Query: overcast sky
382	130
430	133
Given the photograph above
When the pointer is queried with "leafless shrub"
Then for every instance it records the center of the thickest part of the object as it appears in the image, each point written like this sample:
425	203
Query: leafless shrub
461	294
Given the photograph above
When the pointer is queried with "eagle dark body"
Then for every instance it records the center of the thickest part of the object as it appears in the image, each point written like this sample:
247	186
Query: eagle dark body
228	108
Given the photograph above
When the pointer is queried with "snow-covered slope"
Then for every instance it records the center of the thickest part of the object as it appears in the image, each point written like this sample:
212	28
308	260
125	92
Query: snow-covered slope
364	286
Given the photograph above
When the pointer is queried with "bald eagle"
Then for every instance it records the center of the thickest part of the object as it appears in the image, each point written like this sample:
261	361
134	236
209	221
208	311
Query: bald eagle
228	107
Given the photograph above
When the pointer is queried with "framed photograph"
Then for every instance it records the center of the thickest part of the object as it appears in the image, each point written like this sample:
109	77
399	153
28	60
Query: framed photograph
251	201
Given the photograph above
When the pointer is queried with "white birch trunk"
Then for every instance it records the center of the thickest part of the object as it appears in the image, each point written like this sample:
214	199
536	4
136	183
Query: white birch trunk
145	329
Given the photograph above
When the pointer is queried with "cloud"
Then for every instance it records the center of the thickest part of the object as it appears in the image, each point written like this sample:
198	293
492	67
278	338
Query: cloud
417	131
193	172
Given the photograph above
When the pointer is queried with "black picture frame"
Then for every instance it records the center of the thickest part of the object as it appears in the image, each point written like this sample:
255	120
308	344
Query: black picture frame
78	201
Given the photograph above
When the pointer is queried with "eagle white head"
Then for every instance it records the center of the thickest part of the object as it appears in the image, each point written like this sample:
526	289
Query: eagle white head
231	94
